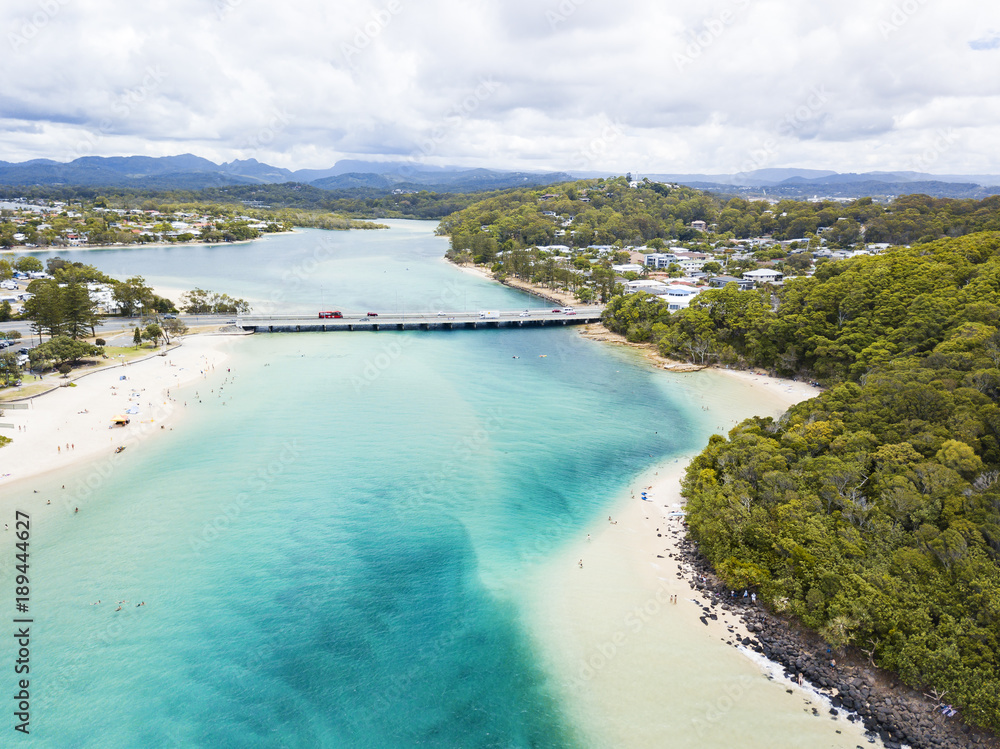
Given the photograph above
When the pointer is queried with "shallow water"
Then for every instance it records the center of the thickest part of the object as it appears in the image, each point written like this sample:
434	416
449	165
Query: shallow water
342	541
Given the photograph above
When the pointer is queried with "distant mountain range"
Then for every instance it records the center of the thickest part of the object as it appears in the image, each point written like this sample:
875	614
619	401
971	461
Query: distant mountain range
807	183
189	172
193	173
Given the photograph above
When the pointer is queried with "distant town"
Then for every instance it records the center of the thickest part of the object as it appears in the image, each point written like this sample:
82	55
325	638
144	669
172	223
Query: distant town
39	224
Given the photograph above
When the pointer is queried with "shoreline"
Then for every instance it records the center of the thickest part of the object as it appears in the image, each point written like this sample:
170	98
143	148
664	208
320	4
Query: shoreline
868	697
628	632
21	249
563	299
875	698
69	426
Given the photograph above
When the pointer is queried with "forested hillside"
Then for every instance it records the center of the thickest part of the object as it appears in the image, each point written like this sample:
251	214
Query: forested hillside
850	316
871	513
606	211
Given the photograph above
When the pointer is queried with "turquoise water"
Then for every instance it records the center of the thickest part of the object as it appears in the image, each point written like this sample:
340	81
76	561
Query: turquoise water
336	544
402	269
330	559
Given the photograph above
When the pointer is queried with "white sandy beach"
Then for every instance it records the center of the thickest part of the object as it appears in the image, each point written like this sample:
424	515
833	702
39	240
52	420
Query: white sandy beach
71	425
626	651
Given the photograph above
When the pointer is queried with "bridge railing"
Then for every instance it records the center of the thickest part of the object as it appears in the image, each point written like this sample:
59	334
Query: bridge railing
417	316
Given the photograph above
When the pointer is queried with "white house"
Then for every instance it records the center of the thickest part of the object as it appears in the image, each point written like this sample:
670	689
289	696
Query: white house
628	268
691	266
649	286
660	259
764	275
679	295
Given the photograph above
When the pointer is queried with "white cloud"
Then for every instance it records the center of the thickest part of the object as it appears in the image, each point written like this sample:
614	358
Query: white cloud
505	83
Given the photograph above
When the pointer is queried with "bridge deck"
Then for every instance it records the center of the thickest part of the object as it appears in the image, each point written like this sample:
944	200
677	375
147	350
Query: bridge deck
419	321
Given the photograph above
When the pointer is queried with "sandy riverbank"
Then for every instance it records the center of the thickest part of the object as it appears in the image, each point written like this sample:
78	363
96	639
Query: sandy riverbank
22	250
623	648
549	295
70	425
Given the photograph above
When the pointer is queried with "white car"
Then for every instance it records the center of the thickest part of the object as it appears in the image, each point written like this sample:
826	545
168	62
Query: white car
525	314
440	314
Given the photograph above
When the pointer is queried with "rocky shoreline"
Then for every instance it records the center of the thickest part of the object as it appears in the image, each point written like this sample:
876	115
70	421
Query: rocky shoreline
897	714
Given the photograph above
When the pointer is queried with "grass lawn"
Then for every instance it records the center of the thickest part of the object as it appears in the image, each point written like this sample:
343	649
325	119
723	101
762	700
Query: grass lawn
115	355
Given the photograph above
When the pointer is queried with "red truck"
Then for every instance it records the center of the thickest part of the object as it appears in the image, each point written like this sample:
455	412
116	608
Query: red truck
331	314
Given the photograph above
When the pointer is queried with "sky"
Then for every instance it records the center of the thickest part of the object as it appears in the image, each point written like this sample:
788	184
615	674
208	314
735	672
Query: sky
648	86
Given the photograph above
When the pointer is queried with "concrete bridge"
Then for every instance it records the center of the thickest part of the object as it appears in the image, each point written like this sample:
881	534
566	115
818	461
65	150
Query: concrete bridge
421	321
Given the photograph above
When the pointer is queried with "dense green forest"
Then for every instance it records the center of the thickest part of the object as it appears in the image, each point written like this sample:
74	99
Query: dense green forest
604	211
284	202
848	317
872	512
609	211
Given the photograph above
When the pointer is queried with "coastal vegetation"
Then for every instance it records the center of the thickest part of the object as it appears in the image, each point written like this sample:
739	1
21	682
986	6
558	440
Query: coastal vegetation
626	212
201	302
837	324
872	512
81	217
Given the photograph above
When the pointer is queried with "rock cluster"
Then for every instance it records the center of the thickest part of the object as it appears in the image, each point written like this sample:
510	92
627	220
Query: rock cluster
896	714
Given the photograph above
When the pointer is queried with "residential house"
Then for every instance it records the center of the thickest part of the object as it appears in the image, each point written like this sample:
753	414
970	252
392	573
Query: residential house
660	259
719	282
658	288
763	275
680	295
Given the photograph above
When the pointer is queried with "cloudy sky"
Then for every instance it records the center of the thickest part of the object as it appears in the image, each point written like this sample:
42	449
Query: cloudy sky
651	86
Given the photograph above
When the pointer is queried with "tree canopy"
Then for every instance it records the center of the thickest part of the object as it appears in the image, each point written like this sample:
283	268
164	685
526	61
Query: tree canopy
872	512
